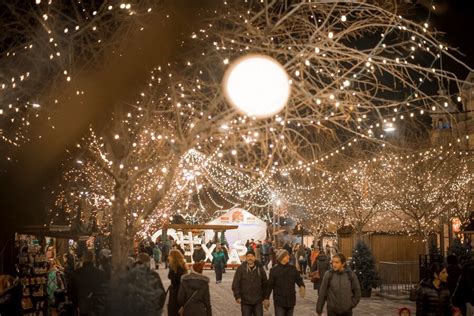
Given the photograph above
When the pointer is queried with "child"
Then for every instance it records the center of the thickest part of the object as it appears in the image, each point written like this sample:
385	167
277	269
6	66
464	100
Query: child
404	312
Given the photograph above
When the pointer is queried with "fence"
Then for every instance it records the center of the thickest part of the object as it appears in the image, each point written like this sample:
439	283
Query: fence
398	277
425	262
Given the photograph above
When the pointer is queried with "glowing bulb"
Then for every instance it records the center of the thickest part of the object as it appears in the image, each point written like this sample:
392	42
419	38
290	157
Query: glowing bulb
257	85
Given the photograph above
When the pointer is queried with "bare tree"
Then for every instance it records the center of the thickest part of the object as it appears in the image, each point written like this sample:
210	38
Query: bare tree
354	67
422	187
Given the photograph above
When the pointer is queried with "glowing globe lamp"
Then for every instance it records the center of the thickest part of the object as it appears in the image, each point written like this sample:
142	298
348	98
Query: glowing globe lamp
257	85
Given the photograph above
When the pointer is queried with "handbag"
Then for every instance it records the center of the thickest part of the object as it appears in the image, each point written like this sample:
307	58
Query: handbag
181	309
315	276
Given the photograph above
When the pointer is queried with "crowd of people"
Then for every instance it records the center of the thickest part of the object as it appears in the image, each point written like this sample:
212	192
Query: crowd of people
82	287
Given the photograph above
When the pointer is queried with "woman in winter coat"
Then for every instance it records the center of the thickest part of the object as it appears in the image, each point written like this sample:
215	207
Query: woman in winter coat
218	261
194	295
322	265
302	259
177	270
433	298
56	282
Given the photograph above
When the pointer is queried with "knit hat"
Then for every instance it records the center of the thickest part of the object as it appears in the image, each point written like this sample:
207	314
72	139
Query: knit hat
198	267
282	253
250	252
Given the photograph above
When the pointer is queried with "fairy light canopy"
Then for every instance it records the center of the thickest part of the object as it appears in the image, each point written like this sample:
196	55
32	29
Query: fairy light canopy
208	155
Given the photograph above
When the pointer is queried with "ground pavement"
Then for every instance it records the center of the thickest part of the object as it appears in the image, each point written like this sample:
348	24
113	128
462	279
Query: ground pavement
223	302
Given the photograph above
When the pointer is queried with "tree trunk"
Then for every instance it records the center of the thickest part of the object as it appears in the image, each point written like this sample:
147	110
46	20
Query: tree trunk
119	235
358	228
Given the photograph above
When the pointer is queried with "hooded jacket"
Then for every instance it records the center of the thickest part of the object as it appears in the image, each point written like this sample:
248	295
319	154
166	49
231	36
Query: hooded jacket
250	285
322	265
200	303
282	282
431	301
341	294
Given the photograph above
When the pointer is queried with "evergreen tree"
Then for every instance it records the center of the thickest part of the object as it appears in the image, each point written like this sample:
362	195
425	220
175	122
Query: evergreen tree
223	239
434	251
363	264
460	250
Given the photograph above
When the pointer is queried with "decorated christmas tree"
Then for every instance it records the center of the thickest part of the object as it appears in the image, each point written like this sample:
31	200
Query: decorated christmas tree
363	264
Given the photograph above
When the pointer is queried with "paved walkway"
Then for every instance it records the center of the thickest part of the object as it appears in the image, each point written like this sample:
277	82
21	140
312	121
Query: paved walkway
223	302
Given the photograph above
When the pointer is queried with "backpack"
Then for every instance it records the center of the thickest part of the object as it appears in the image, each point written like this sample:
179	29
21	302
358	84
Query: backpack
349	275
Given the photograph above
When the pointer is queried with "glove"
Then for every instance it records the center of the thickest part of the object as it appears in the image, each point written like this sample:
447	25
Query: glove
266	304
302	291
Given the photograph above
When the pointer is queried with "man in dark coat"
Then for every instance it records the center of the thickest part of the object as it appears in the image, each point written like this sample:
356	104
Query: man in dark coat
281	281
340	288
454	272
433	297
249	286
194	294
464	291
87	287
199	254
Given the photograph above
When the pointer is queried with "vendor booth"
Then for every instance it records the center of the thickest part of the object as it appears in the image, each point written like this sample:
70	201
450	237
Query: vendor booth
249	226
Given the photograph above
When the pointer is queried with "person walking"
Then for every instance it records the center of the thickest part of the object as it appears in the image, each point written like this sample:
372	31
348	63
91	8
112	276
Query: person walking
433	297
340	288
226	255
302	259
193	295
56	285
218	261
463	295
266	253
157	256
165	251
249	286
273	255
454	273
321	265
199	254
258	252
281	281
86	289
177	267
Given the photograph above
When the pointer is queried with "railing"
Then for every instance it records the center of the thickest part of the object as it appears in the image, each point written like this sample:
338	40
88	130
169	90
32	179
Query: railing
398	277
425	262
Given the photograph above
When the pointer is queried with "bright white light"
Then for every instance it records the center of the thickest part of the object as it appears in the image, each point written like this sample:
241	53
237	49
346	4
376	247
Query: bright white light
257	85
389	127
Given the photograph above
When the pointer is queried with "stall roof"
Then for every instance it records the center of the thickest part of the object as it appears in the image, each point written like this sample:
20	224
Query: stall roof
187	227
52	231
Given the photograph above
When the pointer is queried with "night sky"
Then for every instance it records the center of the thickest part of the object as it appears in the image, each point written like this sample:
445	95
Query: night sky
26	184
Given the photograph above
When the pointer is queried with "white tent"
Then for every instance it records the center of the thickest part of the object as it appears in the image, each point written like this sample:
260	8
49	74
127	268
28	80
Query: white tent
250	226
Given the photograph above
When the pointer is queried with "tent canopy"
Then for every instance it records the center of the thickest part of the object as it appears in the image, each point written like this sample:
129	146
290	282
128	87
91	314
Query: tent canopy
249	226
